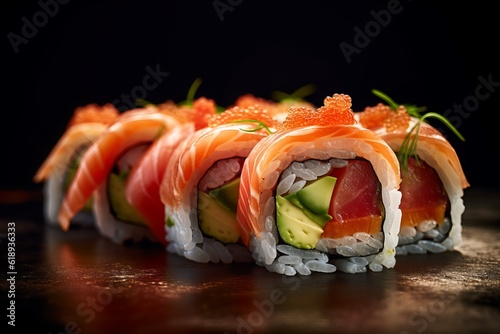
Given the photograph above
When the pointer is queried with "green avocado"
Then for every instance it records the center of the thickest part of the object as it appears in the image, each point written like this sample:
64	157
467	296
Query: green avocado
227	195
118	201
294	226
317	195
216	220
320	219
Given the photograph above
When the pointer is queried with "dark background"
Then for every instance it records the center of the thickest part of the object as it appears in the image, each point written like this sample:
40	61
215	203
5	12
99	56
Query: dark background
429	53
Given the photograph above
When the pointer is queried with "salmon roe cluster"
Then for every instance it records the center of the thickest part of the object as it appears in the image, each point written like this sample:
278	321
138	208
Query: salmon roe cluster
249	100
382	115
374	117
94	113
204	109
254	113
335	111
398	120
199	113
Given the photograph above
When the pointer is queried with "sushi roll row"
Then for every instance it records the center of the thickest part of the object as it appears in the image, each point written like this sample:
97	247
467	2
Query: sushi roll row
291	187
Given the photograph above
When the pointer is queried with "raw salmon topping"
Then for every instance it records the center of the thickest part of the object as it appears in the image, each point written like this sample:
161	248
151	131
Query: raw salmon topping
335	111
93	113
255	113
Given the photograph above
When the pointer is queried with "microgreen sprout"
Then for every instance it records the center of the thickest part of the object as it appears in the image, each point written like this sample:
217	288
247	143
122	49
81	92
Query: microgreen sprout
298	95
409	146
260	125
143	103
412	109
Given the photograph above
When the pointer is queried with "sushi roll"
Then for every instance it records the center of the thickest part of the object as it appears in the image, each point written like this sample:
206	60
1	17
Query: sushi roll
433	181
103	171
321	194
143	184
201	184
57	171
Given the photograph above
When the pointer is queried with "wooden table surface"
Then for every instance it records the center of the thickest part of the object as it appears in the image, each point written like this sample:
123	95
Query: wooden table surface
79	282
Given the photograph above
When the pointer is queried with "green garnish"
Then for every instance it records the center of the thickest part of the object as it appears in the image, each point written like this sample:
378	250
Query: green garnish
297	95
192	91
143	103
409	146
412	109
260	125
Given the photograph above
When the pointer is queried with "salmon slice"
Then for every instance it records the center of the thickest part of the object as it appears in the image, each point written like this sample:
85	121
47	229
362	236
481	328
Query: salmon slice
143	183
137	126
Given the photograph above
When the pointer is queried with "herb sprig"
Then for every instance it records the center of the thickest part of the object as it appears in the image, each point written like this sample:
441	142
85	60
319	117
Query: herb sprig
298	95
409	146
260	125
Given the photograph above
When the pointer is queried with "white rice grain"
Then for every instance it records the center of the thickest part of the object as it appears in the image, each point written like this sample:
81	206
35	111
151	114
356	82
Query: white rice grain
302	269
363	249
319	168
209	249
431	246
346	251
297	186
197	254
431	234
285	184
350	267
222	252
289	270
289	259
361	261
315	265
375	266
415	249
445	227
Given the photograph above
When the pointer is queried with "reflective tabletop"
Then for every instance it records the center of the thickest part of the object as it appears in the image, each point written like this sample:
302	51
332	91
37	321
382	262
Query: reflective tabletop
80	282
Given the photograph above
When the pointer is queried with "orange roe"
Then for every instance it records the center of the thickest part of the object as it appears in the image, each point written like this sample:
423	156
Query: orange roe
254	113
93	113
374	117
249	100
398	120
204	109
199	113
335	111
382	115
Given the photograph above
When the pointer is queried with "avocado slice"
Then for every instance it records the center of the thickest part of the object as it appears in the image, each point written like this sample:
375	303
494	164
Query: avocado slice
118	201
216	220
294	226
227	195
320	219
317	195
